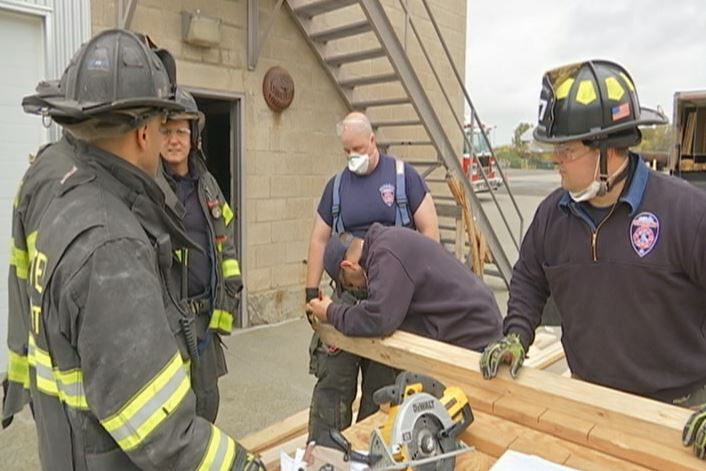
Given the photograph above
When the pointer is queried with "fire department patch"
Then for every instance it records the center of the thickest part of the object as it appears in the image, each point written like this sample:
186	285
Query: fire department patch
387	193
644	233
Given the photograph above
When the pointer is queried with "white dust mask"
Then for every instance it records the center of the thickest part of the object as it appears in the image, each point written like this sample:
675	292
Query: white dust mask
358	163
591	191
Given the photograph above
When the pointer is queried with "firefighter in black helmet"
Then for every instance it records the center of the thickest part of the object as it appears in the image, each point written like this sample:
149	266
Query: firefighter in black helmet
211	280
622	249
107	351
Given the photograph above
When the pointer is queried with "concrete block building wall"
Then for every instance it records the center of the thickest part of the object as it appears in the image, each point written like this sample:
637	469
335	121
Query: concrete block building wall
287	156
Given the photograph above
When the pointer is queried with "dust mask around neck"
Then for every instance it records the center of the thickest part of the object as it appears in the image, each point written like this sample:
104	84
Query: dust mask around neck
598	188
358	163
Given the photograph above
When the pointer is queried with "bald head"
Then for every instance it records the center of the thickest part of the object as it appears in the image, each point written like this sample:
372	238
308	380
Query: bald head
354	123
359	144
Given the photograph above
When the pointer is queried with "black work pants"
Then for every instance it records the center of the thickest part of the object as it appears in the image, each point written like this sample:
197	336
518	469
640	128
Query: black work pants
336	372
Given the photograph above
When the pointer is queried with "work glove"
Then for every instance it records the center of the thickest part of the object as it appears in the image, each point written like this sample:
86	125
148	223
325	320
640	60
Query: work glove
310	293
695	432
246	461
508	349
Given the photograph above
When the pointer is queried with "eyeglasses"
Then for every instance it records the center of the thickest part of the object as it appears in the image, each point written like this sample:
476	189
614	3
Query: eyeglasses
564	153
181	133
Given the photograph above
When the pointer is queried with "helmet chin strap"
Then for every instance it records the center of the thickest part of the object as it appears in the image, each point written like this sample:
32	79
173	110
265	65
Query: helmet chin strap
605	182
604	185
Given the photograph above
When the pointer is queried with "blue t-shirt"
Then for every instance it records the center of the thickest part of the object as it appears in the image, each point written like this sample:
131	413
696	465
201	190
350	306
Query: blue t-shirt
371	198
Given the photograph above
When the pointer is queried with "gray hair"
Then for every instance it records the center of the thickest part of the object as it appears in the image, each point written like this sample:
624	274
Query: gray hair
356	122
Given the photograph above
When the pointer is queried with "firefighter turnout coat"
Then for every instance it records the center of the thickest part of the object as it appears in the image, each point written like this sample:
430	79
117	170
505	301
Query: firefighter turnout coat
108	372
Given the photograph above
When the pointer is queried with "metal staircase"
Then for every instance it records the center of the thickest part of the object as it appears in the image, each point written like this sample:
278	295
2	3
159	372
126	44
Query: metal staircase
362	52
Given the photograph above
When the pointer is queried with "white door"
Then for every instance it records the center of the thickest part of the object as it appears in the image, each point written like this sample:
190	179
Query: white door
22	59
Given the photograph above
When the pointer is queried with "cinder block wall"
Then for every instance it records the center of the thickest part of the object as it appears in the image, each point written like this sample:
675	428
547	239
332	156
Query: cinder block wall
288	156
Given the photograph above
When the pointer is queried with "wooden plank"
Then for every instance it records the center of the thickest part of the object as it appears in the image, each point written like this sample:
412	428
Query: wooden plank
482	399
277	433
494	436
518	410
545	351
565	425
643	451
650	420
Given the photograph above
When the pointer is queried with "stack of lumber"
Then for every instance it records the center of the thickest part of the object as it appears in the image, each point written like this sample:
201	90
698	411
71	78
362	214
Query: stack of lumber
558	418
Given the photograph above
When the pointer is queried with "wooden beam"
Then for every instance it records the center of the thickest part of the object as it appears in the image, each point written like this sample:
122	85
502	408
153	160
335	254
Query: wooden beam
277	433
614	410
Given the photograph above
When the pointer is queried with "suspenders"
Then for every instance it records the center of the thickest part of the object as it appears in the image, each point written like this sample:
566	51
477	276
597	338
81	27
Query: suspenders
401	213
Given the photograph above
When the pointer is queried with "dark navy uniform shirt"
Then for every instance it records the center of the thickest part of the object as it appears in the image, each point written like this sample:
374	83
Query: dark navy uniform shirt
633	309
197	228
371	198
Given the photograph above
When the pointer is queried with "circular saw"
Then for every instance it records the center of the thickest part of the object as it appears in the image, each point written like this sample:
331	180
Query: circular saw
423	425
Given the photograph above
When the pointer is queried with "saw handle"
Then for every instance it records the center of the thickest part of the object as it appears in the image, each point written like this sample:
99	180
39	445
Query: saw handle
458	427
395	394
345	446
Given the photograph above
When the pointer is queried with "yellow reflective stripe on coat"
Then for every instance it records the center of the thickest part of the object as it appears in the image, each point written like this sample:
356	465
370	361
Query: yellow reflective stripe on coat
18	369
67	386
20	260
221	320
31	247
231	267
220	452
145	411
228	214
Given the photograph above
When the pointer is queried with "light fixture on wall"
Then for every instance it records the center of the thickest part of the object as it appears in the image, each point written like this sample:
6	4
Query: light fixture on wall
200	30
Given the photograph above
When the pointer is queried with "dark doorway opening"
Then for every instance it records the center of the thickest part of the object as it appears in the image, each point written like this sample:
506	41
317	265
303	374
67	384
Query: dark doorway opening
221	139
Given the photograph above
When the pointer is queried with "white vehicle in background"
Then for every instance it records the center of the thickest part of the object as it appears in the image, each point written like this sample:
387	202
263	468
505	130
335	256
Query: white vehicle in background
480	156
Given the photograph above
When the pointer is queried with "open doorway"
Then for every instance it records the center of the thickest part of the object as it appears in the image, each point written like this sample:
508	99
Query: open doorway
222	146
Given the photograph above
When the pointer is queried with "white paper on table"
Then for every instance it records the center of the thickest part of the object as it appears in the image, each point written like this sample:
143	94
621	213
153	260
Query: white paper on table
287	463
514	460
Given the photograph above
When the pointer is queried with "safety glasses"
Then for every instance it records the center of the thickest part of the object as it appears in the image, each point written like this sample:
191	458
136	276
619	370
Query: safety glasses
564	153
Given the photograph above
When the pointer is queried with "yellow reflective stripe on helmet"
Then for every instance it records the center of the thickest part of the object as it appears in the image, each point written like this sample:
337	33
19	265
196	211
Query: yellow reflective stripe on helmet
615	90
628	81
231	267
586	93
20	260
220	452
144	412
228	214
221	320
18	369
562	90
65	385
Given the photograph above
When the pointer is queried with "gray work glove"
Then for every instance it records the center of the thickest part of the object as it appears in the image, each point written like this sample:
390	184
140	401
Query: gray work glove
695	432
508	349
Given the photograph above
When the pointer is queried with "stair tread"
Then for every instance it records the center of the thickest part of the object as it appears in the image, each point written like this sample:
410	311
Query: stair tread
383	102
317	7
405	142
392	123
368	80
338	32
348	57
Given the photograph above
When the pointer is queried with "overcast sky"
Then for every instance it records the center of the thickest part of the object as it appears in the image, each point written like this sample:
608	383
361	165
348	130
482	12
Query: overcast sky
662	44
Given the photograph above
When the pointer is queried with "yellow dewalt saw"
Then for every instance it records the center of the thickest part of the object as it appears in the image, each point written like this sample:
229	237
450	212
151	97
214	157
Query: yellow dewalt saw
423	425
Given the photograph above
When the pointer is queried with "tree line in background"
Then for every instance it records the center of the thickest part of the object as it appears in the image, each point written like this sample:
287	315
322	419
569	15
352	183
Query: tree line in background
656	142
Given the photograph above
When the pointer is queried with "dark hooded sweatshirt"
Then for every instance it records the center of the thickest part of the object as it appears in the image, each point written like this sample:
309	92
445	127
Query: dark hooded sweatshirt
416	285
